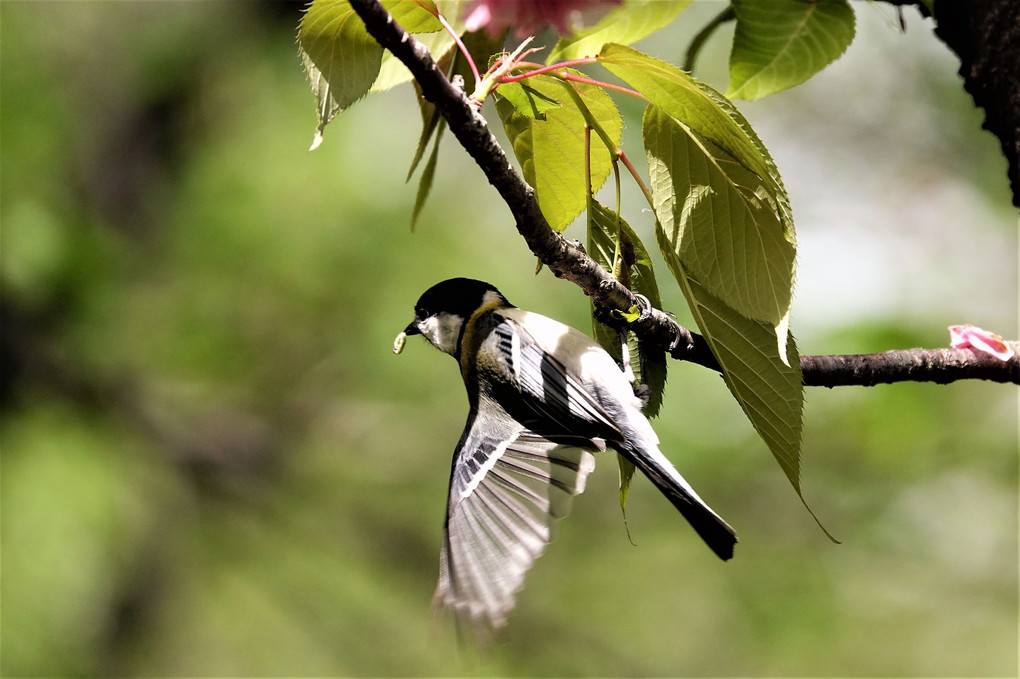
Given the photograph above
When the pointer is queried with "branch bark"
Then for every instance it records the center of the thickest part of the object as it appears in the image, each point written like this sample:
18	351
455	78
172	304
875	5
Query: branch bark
568	260
941	366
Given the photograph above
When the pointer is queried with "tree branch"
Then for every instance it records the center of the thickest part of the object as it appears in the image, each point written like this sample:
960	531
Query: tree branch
941	366
567	259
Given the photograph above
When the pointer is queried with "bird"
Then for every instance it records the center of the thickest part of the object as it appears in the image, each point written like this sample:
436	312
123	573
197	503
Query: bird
543	398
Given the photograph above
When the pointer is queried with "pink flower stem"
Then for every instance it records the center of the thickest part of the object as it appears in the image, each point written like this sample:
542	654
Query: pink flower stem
564	75
511	61
614	151
461	47
545	69
637	178
599	83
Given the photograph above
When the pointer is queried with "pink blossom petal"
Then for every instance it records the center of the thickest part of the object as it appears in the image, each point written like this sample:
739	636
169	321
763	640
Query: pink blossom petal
967	335
528	17
478	18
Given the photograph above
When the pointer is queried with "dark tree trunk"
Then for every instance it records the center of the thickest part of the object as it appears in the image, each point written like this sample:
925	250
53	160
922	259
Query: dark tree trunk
985	34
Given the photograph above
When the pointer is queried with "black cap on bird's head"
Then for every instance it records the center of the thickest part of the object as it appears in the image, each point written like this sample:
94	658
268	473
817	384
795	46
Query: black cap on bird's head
442	310
459	297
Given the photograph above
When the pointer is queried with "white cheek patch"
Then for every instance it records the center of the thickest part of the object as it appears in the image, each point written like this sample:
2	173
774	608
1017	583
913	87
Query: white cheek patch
442	330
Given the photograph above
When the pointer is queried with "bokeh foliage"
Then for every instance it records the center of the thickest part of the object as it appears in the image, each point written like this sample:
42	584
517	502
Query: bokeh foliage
212	464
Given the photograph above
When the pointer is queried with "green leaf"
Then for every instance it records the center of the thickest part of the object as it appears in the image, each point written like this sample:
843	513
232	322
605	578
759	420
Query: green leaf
704	111
626	24
767	385
630	315
603	247
453	63
719	220
527	100
712	118
626	475
649	364
723	243
427	175
652	373
608	234
430	115
551	151
416	16
693	103
440	43
782	43
616	247
604	228
342	60
427	30
430	119
392	72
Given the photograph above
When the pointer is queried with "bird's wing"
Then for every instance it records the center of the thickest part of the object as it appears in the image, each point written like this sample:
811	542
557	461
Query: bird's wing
541	392
504	495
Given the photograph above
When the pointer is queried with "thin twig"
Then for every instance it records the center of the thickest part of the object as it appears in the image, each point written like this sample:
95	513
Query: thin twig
704	34
539	70
460	45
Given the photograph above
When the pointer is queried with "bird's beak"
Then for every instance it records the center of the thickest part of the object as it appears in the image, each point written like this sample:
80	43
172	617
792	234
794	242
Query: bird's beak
398	343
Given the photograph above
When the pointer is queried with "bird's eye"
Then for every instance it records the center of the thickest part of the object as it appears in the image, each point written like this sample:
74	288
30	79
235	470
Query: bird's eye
420	314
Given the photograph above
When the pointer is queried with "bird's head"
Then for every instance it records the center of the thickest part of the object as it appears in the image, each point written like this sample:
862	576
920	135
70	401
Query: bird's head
443	309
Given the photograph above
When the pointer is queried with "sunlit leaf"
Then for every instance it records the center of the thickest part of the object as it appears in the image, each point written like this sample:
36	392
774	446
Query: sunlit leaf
416	16
719	220
713	119
695	104
528	101
342	60
626	24
604	227
781	43
551	150
392	72
703	110
429	33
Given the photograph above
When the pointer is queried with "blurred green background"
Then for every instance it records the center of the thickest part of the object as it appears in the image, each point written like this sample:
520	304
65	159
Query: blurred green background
213	465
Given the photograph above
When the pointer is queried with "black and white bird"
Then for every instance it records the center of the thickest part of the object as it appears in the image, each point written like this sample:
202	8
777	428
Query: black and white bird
543	396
